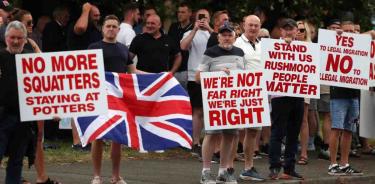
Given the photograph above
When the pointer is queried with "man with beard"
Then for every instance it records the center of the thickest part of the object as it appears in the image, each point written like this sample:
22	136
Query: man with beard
86	30
131	17
221	57
14	134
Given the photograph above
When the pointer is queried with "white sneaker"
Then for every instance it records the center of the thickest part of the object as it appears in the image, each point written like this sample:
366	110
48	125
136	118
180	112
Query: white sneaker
97	180
119	181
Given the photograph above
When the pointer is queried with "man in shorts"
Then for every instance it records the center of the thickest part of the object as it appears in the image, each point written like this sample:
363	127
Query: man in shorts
221	57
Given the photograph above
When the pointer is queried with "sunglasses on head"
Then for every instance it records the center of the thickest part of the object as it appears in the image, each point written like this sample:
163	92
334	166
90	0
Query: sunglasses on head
301	30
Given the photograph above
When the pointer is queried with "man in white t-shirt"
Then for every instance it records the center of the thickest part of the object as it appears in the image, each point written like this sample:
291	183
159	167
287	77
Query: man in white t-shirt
249	43
131	17
195	42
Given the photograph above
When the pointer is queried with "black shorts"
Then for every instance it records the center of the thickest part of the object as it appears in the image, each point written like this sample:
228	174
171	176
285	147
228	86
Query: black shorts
195	93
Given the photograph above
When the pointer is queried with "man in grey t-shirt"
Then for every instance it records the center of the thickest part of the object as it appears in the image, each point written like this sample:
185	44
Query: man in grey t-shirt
222	57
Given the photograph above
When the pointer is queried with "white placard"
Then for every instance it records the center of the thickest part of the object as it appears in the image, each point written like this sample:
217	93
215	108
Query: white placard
238	100
61	84
367	115
344	59
291	69
372	64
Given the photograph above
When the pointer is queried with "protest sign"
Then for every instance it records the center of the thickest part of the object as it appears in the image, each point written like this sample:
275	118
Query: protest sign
238	100
61	84
372	64
291	69
344	59
367	115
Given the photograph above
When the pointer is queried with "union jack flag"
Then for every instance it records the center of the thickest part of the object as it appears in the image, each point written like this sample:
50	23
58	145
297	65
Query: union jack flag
147	112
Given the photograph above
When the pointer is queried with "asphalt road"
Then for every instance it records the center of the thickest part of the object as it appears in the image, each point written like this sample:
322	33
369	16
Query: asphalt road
187	171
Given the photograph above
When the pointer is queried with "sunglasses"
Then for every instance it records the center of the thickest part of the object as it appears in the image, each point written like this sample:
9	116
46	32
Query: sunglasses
301	30
29	23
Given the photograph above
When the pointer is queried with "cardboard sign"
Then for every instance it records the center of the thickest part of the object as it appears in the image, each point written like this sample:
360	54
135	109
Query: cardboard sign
238	100
344	59
291	69
367	115
372	64
62	84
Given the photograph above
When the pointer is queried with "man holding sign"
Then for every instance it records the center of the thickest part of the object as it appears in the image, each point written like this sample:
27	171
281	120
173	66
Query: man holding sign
222	57
14	134
287	114
344	112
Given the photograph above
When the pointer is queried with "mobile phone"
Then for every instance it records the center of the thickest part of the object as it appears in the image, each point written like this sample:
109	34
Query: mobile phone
201	16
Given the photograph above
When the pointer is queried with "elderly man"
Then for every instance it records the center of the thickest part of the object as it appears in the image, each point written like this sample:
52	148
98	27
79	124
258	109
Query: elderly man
221	57
155	49
249	43
14	134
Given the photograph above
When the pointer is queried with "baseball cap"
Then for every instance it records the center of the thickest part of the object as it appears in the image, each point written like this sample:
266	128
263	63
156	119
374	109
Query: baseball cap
288	22
333	21
226	27
5	5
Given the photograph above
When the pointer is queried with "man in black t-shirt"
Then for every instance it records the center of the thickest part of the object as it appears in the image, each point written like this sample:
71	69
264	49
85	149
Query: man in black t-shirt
14	134
86	30
116	59
176	32
154	49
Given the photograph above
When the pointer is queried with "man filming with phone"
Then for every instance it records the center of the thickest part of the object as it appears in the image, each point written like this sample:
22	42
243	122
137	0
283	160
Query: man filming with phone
195	42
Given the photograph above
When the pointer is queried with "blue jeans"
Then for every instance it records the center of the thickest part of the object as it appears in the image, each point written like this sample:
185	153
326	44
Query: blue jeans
14	139
344	113
287	115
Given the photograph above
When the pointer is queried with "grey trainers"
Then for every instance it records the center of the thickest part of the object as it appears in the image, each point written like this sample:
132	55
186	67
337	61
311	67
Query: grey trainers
227	177
207	178
251	174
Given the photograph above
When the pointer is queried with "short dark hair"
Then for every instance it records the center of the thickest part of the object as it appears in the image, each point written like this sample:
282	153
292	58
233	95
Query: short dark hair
130	7
18	15
150	7
111	17
185	4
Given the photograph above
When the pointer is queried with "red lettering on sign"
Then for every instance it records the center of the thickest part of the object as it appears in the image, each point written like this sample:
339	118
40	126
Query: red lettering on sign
345	63
345	41
29	65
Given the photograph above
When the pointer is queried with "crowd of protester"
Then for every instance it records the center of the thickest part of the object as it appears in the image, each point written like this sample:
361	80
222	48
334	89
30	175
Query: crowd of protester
195	43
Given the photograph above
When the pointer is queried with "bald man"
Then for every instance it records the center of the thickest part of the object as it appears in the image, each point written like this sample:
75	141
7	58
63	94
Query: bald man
249	43
154	49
